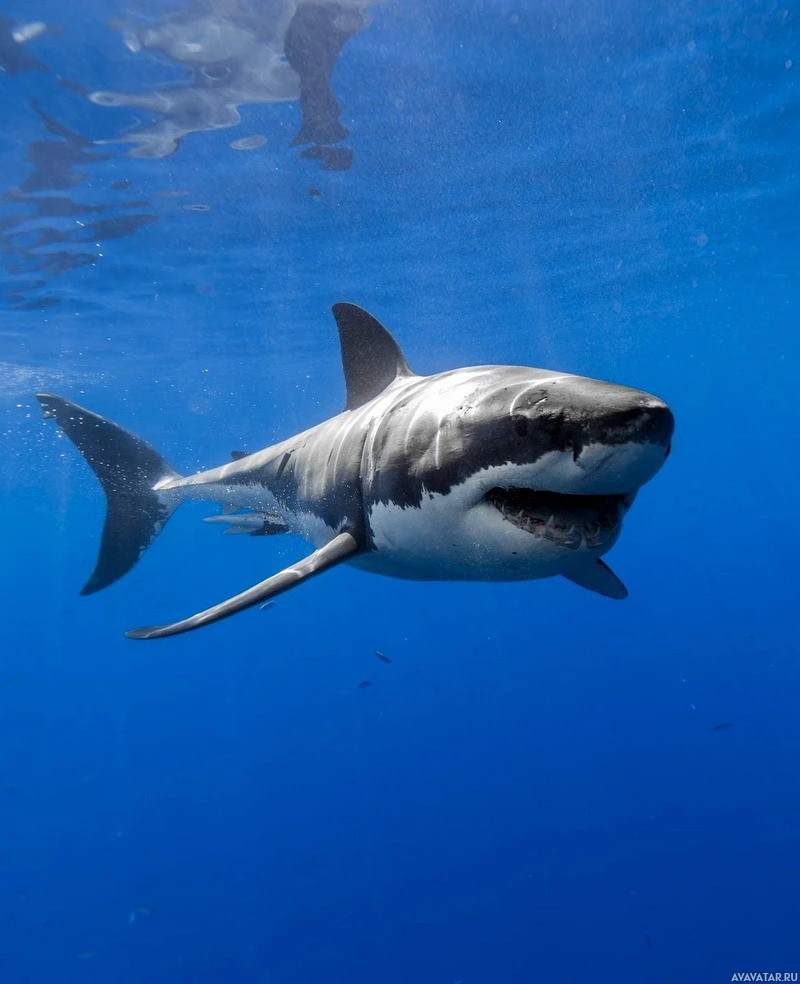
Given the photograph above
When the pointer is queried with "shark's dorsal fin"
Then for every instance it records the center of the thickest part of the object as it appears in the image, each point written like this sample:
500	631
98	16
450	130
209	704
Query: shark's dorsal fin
371	358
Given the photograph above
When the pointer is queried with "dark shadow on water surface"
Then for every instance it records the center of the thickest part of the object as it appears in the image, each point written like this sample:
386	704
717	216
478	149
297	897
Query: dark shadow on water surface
234	52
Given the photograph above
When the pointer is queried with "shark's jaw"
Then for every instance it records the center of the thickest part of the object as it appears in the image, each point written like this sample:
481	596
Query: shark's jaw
574	522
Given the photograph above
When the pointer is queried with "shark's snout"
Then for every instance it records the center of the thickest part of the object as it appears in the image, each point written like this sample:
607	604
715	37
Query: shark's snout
657	422
576	412
603	439
650	421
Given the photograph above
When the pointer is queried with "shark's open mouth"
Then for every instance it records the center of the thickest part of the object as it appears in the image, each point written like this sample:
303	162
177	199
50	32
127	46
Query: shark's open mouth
572	521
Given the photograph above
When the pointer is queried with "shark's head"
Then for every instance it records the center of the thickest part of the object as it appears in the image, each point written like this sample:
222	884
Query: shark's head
560	457
507	471
530	469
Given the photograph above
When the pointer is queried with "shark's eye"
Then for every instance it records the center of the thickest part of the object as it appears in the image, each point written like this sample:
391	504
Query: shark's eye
520	423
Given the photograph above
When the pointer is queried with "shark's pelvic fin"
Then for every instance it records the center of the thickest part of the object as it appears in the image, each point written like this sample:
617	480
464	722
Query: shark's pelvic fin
341	548
594	575
128	468
253	523
371	358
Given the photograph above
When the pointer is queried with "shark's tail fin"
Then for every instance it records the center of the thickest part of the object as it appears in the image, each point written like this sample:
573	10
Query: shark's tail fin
128	470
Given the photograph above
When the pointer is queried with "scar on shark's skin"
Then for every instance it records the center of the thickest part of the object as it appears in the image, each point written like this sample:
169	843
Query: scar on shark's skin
488	473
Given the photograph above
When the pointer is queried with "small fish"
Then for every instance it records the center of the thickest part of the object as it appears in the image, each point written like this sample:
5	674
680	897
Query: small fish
87	954
27	32
364	683
266	605
196	208
382	658
314	192
140	910
70	86
722	726
647	939
120	185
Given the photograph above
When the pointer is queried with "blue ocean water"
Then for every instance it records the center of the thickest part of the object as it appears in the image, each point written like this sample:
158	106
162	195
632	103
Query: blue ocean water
542	785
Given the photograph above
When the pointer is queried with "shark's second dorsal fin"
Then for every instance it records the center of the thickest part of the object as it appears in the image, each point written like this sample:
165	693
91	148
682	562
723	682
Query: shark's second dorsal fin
371	358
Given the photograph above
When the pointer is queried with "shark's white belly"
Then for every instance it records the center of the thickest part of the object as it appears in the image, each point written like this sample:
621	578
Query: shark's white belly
441	541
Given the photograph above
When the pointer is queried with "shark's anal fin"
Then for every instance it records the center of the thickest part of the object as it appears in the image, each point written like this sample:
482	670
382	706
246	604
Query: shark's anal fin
594	575
341	548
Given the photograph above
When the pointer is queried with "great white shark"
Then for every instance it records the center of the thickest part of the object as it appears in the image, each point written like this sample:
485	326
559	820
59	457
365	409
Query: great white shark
487	473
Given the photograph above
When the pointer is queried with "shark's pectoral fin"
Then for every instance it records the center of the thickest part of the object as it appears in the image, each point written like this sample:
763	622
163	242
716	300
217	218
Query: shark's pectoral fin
341	548
596	576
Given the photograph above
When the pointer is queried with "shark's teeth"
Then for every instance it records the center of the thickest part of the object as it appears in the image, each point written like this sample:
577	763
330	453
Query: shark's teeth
573	522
